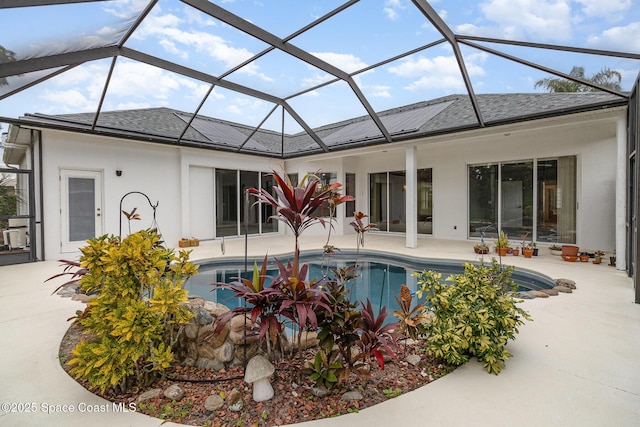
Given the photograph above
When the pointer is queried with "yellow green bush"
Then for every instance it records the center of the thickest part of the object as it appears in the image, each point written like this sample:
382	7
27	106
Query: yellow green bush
135	317
473	314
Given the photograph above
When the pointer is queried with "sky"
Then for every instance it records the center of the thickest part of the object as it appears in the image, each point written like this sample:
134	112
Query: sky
364	34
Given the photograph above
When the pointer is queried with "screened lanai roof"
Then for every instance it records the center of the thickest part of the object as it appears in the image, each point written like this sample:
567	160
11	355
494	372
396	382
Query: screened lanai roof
289	77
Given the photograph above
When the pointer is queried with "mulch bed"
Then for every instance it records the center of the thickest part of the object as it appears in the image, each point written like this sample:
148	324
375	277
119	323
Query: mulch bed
293	401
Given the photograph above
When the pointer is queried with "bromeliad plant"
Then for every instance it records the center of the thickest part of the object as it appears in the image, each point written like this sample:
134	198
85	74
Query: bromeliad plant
134	320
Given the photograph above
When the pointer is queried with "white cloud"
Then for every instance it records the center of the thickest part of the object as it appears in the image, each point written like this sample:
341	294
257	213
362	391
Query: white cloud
540	20
166	28
234	109
380	91
72	100
441	72
392	8
134	105
344	61
618	38
609	9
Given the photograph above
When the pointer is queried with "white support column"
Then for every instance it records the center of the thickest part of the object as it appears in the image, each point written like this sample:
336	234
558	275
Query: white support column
411	194
621	195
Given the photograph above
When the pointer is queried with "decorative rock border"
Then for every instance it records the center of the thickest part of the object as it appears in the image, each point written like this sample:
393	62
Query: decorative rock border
563	286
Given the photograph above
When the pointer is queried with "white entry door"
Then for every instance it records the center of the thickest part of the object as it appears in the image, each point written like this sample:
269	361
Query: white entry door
81	208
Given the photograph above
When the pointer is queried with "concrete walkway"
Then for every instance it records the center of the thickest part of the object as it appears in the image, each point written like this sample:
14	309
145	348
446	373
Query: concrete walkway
576	364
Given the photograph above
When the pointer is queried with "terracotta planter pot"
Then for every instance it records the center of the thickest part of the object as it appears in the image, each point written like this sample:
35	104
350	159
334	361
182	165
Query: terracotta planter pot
570	250
515	252
584	258
502	251
527	253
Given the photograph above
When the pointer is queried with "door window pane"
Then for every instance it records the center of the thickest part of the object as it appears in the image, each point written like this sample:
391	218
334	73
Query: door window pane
517	200
248	180
425	201
82	209
557	200
378	200
483	200
226	202
350	190
397	201
269	225
326	179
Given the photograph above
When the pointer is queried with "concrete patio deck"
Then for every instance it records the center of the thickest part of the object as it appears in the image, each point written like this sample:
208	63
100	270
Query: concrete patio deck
576	364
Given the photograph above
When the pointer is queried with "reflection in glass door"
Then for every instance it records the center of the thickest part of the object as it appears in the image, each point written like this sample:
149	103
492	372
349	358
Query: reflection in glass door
516	187
249	180
226	202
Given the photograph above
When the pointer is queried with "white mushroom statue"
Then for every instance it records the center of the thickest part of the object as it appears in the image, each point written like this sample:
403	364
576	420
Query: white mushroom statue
258	371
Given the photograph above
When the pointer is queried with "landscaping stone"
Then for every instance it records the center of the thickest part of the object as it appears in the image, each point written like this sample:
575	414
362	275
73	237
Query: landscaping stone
413	359
213	364
203	317
237	323
552	292
567	283
83	298
225	352
563	289
174	392
149	395
191	330
319	391
207	334
539	294
352	395
307	340
213	403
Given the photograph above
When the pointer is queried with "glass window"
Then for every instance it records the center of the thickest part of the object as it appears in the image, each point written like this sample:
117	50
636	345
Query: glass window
397	201
387	203
226	202
516	186
378	200
350	190
425	201
326	179
269	225
483	200
550	214
249	180
556	200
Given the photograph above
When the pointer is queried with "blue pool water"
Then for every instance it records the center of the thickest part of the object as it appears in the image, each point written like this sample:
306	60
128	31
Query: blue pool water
380	276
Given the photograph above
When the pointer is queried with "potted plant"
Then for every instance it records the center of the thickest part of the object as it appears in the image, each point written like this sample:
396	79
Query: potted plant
481	248
597	258
535	248
515	251
527	251
502	243
570	250
584	257
555	250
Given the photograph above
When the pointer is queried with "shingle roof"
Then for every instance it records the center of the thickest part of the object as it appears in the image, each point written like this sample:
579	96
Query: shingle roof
447	114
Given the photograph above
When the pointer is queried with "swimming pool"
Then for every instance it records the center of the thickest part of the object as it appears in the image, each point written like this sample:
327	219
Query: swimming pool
379	279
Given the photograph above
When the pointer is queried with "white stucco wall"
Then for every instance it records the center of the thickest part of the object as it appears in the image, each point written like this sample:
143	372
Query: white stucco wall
159	171
591	137
163	173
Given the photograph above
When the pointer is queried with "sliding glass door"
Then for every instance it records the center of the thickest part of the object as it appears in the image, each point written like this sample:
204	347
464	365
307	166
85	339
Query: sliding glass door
388	201
501	197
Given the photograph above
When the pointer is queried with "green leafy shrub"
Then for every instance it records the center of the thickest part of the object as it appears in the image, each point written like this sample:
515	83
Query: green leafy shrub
475	314
135	316
326	369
